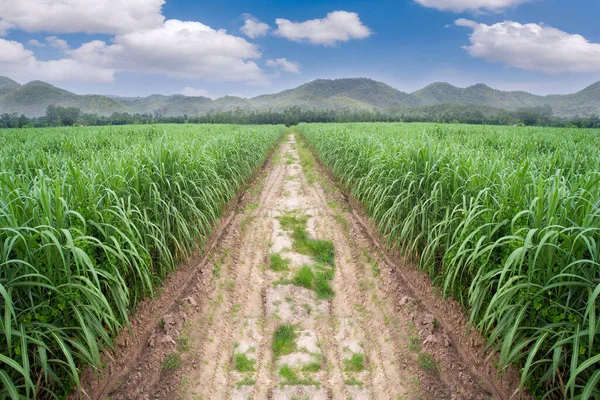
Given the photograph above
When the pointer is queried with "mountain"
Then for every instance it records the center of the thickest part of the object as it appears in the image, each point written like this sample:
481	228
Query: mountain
480	94
33	98
358	93
584	102
7	85
177	105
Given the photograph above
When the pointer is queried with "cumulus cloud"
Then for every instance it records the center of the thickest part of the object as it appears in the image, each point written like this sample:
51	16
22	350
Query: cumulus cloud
4	27
337	26
283	64
20	63
181	49
470	5
91	16
142	41
532	47
193	92
253	28
57	43
35	43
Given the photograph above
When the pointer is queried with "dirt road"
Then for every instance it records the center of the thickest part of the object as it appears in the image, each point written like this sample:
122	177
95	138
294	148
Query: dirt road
295	302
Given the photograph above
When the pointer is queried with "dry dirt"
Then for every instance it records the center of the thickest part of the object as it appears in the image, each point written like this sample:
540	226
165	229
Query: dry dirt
184	345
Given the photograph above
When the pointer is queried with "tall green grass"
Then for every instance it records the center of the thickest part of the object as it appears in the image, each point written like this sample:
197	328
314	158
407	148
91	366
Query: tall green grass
91	221
506	220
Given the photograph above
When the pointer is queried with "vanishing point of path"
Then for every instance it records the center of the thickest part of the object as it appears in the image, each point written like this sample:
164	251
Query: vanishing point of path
270	315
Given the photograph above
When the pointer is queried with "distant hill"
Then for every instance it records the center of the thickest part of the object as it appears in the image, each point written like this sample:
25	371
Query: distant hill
359	93
33	98
7	85
177	105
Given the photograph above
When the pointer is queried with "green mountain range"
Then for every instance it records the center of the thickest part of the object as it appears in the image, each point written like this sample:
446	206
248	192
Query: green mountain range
33	98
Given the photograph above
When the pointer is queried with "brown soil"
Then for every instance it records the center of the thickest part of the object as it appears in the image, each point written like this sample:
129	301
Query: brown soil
184	345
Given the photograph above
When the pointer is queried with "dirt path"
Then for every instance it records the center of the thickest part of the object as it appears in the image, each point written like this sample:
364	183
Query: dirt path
272	315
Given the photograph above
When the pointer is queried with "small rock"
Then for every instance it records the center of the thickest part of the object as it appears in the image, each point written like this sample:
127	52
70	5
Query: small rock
152	340
190	300
167	339
428	319
430	339
169	319
446	340
405	300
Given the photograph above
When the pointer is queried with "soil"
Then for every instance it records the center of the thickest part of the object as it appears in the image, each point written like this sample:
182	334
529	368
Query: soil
227	305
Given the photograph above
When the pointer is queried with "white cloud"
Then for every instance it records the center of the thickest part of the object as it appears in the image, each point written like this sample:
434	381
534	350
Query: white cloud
192	92
70	16
4	27
337	26
470	5
253	28
284	64
532	47
35	43
180	49
57	43
21	64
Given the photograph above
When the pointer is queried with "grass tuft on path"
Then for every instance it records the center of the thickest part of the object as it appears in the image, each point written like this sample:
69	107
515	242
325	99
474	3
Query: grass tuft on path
278	263
318	281
284	340
356	363
243	363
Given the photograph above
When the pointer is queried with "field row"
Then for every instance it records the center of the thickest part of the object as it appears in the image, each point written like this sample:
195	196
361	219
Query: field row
507	220
91	220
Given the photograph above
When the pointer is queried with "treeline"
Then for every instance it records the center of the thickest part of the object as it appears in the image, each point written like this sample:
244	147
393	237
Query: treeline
444	113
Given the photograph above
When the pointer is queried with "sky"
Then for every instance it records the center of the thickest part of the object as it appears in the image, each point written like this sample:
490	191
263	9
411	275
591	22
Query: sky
245	48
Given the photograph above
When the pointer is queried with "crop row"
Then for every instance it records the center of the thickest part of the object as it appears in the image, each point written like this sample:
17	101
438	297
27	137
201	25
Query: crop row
91	221
506	220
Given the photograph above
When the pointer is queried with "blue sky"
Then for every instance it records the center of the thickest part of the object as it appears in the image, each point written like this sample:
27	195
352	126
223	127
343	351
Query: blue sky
140	47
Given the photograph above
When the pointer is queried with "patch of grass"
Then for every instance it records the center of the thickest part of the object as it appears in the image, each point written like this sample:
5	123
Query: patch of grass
278	263
322	287
281	281
317	281
171	363
183	343
354	382
342	220
375	269
414	339
243	363
307	161
252	206
286	372
304	277
284	340
292	378
320	250
327	271
307	307
356	363
312	367
289	222
427	362
247	381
